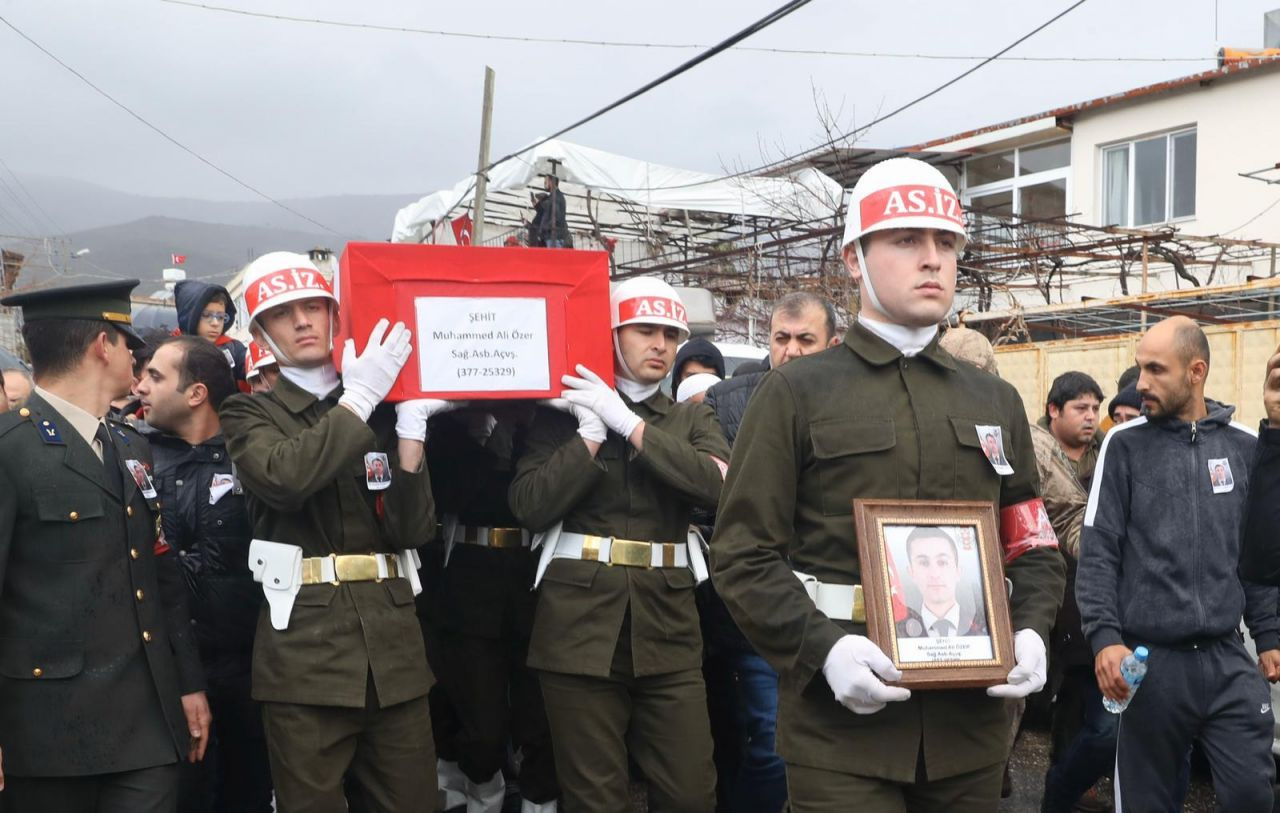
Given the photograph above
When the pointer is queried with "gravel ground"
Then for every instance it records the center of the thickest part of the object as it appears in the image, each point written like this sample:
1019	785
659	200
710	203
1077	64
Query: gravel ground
1029	763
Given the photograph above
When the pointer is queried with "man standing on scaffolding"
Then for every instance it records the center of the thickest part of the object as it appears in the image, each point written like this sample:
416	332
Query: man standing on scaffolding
550	228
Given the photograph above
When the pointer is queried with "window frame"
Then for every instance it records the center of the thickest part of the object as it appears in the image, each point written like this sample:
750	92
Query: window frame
1017	182
1131	198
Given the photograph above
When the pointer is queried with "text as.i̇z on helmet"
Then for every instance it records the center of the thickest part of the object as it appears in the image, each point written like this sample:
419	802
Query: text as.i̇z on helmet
651	306
910	201
283	281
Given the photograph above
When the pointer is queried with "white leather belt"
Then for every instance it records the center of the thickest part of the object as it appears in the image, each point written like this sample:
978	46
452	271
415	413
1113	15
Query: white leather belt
627	552
840	602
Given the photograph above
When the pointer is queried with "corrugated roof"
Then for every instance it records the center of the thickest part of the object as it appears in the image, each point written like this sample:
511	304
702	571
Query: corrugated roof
1233	69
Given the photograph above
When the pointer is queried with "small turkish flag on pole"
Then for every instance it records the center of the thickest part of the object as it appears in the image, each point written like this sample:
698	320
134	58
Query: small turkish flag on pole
895	593
177	259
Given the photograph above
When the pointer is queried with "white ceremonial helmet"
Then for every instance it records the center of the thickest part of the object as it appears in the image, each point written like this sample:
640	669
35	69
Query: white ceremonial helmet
255	359
281	277
900	193
647	301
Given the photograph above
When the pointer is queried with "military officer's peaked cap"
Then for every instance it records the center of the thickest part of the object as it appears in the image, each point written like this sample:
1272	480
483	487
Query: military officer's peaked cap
106	302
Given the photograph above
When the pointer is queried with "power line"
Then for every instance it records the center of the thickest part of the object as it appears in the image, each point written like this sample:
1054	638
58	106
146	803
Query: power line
725	44
755	27
832	142
48	220
30	220
667	45
163	134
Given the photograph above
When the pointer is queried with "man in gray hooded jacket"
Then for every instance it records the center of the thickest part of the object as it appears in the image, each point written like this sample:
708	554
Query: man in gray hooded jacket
1158	568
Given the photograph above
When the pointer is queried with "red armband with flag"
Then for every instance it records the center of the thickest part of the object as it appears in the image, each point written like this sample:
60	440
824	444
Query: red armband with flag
1025	526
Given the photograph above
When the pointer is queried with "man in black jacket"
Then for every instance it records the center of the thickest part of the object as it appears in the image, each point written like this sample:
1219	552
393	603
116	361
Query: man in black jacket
742	688
205	520
1157	567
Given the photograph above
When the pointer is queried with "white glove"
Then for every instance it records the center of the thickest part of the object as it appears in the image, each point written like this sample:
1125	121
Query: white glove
411	416
851	669
590	427
1028	674
591	392
366	379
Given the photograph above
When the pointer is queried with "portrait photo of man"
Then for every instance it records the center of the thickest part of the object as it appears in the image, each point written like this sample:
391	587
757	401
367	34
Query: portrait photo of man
948	605
1220	475
376	471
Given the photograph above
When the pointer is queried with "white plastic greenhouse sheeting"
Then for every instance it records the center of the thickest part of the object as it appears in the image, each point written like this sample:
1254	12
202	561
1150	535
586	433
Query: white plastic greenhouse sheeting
805	195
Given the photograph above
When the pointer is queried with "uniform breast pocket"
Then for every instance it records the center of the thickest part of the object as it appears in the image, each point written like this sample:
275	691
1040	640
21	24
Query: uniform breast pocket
70	526
851	457
975	474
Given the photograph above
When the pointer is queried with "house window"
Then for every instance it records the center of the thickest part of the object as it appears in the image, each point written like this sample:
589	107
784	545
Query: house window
1152	180
1027	182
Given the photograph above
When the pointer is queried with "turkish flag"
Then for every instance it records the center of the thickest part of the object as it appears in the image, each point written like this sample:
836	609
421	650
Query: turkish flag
895	593
177	259
462	230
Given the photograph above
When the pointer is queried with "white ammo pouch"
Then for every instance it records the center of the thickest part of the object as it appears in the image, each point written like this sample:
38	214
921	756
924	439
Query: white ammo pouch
278	568
282	571
839	602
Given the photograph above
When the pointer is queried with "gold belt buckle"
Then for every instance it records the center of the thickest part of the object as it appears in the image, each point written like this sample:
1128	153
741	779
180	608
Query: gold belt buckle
859	606
506	538
356	568
590	548
631	553
311	571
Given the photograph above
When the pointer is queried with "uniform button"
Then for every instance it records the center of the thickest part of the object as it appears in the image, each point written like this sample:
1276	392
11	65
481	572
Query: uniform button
182	553
146	636
73	516
219	523
217	456
37	672
139	595
24	412
128	511
133	553
177	482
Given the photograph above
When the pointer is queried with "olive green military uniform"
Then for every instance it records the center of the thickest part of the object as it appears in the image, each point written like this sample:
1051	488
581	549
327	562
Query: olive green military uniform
861	420
486	605
344	686
618	647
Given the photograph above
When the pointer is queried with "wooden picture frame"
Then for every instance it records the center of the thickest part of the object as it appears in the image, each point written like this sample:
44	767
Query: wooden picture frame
918	556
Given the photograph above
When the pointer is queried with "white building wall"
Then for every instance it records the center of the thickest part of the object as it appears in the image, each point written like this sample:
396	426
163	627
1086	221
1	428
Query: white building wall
1237	125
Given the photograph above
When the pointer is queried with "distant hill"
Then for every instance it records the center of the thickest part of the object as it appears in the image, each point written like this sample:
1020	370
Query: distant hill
75	206
142	249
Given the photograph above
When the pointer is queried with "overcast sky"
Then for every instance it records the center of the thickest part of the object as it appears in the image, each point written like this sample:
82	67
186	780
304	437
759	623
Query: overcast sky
299	109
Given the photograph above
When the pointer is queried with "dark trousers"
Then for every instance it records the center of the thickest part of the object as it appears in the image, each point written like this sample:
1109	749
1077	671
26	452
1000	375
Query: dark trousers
742	692
388	753
1214	694
1088	755
484	625
814	790
149	790
659	721
235	776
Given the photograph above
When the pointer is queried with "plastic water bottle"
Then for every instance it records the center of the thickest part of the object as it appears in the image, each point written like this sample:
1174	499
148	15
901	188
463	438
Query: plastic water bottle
1133	669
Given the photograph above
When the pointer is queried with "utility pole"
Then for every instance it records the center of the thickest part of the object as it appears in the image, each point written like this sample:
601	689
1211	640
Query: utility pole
482	180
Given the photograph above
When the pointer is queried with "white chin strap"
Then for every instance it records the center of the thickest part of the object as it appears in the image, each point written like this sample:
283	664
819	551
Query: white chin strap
868	290
281	357
624	380
908	340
